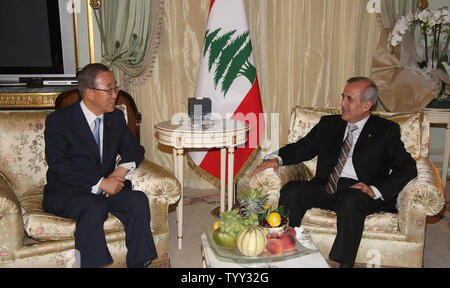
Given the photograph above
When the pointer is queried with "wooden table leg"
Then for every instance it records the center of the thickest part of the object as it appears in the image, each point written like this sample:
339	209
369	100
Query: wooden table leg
230	177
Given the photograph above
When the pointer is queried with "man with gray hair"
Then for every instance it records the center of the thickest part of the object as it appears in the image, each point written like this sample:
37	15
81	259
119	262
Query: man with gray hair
84	182
362	165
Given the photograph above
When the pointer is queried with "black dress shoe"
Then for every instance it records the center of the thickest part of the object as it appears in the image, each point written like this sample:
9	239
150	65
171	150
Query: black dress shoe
345	265
147	263
143	264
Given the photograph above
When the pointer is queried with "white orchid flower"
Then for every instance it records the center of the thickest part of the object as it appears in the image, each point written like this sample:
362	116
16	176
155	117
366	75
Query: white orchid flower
424	15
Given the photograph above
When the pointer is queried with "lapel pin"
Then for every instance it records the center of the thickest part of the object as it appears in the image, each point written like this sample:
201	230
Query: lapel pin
370	135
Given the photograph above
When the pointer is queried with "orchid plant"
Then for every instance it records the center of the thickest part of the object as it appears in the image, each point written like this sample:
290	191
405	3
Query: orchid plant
435	36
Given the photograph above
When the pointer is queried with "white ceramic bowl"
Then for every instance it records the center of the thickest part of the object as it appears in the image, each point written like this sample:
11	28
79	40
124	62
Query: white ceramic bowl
279	230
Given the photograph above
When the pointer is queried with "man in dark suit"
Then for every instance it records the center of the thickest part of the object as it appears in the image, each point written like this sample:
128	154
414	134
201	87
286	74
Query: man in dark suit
362	165
83	182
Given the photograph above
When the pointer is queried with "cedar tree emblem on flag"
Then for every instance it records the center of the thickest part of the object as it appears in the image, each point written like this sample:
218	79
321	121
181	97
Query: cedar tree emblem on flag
232	56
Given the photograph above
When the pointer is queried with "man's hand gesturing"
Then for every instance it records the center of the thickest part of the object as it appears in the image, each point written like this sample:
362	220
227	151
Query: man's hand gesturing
269	163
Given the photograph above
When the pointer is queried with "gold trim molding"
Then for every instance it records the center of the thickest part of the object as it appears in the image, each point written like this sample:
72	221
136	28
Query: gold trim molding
28	100
89	7
95	4
423	4
75	36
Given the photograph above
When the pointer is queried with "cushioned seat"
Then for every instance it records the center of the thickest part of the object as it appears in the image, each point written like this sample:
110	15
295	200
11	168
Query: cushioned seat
377	222
22	180
389	239
44	226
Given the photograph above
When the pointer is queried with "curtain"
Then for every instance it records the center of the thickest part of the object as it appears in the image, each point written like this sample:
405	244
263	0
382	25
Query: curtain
305	50
129	31
391	10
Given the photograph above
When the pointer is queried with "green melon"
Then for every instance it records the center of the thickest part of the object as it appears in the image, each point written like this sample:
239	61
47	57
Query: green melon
224	240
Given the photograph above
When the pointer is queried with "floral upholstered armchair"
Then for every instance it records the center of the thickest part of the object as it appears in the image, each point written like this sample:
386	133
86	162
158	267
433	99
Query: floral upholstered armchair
29	237
389	239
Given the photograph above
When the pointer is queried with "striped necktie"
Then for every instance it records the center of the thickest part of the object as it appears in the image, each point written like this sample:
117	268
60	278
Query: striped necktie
96	133
346	147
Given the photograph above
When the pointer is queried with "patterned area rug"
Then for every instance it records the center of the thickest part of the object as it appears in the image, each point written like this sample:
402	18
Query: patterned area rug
199	197
201	200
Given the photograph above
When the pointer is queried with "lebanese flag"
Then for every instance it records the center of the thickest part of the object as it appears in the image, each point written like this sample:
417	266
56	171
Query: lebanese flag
228	76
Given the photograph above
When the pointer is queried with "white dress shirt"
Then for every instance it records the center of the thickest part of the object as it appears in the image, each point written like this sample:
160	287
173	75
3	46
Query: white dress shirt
90	117
348	171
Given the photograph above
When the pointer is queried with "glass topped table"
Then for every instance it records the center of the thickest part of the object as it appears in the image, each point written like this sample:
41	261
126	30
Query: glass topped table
302	256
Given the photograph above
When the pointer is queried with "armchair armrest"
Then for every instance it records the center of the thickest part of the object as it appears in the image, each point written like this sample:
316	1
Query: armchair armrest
422	196
270	182
11	222
156	182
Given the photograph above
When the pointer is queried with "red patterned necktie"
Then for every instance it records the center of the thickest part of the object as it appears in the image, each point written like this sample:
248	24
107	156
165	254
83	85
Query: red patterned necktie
346	147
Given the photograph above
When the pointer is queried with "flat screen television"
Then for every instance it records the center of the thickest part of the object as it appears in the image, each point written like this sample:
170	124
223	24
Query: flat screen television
37	40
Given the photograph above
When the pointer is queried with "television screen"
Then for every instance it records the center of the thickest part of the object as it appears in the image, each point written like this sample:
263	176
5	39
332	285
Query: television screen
31	37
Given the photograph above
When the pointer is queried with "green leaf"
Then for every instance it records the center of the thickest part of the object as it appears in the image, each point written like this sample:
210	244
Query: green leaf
217	47
249	72
228	54
280	211
422	64
443	59
209	37
236	64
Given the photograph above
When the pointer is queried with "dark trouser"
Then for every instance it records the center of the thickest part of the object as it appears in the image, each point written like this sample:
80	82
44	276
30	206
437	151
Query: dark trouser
90	212
351	207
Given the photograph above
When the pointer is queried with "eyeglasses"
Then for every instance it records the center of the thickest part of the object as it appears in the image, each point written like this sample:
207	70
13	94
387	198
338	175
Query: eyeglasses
111	91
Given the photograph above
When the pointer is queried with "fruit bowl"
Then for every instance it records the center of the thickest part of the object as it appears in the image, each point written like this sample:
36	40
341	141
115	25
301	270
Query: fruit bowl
277	230
284	224
234	255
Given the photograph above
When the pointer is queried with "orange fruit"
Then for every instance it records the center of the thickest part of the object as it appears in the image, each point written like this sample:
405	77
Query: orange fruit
274	219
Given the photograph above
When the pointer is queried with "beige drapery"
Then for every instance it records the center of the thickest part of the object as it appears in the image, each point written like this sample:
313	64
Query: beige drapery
304	52
391	10
130	32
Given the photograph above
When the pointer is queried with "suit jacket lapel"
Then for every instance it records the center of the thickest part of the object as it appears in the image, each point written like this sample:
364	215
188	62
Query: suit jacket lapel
339	138
366	135
340	135
107	135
